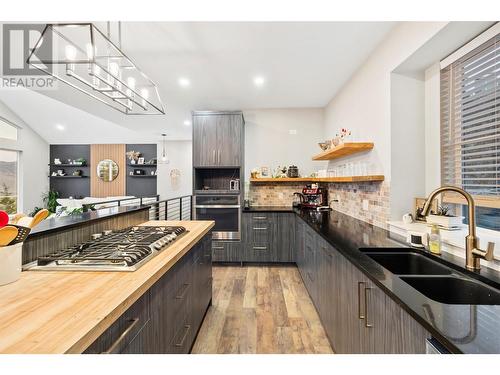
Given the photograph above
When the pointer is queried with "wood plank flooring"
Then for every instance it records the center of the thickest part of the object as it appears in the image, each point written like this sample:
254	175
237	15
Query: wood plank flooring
260	309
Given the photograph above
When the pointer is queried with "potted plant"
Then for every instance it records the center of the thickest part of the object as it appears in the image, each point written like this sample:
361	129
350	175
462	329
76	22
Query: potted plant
50	200
80	161
444	218
133	156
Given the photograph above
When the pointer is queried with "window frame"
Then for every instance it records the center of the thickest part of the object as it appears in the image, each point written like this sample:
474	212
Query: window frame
19	203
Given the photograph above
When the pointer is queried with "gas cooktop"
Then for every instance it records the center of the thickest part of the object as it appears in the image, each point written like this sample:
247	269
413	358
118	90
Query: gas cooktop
124	250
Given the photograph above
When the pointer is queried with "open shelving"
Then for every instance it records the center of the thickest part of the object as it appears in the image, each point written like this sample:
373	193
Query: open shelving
344	149
322	179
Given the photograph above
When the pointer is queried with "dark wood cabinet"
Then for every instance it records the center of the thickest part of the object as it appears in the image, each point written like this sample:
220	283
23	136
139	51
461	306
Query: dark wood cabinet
357	315
269	237
218	139
227	251
167	317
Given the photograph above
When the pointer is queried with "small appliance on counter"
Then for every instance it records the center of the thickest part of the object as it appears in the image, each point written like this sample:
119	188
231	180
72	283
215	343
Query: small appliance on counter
293	171
314	197
234	185
417	239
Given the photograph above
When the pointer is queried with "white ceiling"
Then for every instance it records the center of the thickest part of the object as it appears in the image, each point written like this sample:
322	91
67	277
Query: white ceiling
304	65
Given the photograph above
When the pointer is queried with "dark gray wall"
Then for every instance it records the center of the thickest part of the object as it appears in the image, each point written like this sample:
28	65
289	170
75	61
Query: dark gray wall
142	186
75	187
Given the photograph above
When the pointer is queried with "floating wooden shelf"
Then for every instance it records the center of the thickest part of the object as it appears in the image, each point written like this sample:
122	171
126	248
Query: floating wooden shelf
322	179
344	150
69	165
141	165
142	175
68	176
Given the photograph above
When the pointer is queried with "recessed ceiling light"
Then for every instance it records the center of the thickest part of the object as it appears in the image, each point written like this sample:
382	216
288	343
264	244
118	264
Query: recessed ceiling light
187	122
60	127
184	82
259	81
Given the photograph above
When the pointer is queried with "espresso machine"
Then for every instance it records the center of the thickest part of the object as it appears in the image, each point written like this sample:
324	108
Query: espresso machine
314	197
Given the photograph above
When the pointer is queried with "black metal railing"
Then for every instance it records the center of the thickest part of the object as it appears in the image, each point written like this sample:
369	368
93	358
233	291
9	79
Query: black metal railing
179	208
133	201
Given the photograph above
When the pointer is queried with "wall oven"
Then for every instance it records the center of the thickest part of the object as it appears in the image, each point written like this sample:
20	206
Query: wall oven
225	210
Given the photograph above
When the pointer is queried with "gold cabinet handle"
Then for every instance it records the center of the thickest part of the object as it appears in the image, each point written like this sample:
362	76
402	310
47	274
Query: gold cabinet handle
114	346
259	228
260	217
367	325
361	314
260	247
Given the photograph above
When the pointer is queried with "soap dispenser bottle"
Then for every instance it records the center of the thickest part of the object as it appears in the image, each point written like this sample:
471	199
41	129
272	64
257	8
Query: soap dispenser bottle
435	241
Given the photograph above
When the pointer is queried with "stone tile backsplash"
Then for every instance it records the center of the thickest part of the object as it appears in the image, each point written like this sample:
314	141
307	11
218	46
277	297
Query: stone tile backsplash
350	196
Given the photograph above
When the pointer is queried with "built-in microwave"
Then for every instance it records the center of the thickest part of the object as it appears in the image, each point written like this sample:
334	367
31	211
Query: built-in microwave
225	210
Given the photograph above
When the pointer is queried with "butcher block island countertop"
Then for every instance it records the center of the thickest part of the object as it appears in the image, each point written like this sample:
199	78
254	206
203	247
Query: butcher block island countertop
65	311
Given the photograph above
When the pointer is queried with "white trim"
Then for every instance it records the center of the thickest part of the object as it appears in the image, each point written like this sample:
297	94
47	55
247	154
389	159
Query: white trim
474	43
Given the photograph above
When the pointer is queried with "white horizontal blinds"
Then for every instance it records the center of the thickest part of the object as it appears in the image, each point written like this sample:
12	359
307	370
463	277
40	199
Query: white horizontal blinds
470	121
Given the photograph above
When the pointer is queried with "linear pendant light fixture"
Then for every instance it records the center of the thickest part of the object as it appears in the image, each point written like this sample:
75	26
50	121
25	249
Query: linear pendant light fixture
83	57
164	157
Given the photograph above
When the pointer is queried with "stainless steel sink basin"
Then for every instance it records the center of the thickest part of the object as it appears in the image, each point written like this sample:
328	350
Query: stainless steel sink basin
409	264
454	290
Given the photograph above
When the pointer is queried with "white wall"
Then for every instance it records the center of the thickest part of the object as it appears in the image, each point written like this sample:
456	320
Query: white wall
432	129
364	103
33	161
268	141
407	143
180	157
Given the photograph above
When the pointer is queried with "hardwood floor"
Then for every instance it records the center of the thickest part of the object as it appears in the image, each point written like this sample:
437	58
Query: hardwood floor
260	309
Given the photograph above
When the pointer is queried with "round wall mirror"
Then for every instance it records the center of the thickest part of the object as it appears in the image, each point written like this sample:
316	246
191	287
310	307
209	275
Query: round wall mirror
107	170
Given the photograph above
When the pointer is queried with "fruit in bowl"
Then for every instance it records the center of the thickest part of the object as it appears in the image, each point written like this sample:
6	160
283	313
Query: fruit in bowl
324	145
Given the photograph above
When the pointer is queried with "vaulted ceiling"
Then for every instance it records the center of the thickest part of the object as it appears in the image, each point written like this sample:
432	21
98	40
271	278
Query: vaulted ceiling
302	65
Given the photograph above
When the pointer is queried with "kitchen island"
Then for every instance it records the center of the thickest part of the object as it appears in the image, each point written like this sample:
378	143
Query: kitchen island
68	312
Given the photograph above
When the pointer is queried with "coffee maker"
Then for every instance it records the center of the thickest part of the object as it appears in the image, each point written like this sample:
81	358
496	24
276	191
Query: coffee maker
314	196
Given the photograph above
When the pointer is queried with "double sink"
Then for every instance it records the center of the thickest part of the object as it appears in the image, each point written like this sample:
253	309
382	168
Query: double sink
433	279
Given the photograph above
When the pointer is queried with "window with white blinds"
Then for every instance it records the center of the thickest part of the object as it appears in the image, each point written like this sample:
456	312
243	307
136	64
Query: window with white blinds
470	123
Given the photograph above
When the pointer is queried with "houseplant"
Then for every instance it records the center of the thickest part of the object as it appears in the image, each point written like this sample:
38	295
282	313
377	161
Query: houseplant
444	218
50	200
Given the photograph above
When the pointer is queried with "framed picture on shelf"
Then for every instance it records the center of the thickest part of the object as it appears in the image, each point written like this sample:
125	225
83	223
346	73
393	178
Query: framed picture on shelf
140	161
419	205
265	172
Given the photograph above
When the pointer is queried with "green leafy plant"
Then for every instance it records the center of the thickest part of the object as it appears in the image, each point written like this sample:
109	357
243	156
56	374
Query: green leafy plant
443	211
81	160
35	211
50	200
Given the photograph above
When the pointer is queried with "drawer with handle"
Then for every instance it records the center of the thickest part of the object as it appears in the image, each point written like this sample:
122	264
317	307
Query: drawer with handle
128	333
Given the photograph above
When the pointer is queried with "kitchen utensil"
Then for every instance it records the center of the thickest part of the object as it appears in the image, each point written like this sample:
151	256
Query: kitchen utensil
7	235
4	218
22	234
25	221
40	216
16	217
324	145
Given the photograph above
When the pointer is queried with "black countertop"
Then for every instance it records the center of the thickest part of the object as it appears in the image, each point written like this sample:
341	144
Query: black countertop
269	209
66	222
460	328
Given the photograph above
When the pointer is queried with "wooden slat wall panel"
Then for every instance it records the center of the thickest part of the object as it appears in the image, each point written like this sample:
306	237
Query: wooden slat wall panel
99	188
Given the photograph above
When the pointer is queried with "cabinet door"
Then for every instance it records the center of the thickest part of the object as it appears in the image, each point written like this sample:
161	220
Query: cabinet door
130	333
300	247
227	251
373	326
229	140
284	237
204	141
403	335
310	263
351	308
